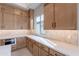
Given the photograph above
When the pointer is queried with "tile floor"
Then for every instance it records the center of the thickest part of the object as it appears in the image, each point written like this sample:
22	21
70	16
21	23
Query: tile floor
21	52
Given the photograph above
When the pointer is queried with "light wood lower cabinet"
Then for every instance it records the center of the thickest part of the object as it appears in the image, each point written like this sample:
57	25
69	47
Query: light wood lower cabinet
27	43
42	52
55	53
20	43
38	49
35	50
2	42
30	46
43	47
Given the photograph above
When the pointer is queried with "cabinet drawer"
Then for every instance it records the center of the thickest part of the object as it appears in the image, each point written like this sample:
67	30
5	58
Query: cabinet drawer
2	42
51	52
36	43
55	53
58	54
44	47
42	52
13	47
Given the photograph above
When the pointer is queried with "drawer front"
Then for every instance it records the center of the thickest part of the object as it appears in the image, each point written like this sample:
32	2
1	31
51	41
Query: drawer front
58	54
42	52
55	53
44	47
51	52
2	42
13	47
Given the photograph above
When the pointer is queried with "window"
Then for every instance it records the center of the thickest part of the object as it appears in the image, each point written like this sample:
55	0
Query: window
40	24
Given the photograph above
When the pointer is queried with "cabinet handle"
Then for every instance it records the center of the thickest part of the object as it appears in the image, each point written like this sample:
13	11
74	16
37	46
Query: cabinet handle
56	55
54	25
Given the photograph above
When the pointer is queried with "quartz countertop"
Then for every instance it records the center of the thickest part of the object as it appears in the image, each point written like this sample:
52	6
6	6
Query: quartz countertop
65	48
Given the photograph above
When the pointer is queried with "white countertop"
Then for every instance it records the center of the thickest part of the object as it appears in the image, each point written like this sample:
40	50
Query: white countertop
67	49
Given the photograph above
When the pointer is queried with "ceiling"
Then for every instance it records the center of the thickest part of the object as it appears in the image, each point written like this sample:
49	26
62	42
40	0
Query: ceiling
24	6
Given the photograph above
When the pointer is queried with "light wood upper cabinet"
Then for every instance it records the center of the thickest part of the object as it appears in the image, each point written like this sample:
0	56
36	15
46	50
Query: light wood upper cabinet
8	21
25	22
60	16
0	20
31	19
21	19
21	22
65	16
7	9
13	19
0	8
48	16
0	17
18	22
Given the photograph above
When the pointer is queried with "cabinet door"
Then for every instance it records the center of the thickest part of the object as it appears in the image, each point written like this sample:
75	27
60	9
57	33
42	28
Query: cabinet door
18	22
0	20
43	52
24	22
30	45
44	47
27	43
35	50
8	21
8	9
65	16
20	43
48	16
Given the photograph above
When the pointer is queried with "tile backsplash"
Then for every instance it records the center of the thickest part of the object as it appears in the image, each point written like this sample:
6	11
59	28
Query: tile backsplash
67	36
